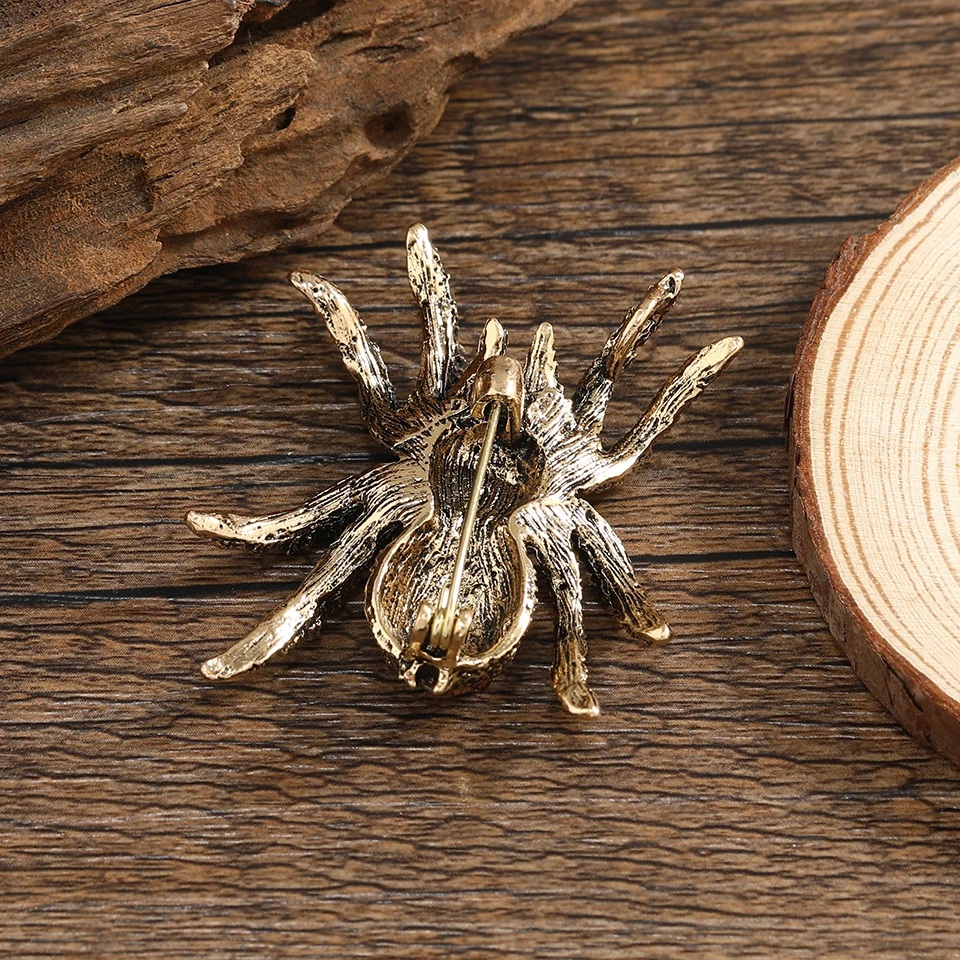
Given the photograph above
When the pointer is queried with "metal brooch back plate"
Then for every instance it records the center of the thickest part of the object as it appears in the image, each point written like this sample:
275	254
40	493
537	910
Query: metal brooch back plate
492	465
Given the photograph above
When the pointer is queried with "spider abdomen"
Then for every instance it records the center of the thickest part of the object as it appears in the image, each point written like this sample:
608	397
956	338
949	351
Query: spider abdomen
498	579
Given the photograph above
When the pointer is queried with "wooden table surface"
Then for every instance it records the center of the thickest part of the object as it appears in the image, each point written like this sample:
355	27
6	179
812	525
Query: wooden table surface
741	794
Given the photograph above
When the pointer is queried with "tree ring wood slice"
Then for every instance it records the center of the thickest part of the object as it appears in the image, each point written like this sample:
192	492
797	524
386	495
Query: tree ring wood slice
875	458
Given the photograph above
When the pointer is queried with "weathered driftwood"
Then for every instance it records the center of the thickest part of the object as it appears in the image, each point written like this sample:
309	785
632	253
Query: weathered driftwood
142	136
874	430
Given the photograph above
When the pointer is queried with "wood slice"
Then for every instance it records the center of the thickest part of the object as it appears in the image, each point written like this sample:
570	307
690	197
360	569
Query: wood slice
875	440
143	137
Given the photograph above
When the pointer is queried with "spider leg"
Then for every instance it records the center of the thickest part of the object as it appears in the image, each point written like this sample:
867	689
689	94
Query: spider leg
611	566
300	615
688	384
292	528
493	342
540	370
547	527
361	356
594	392
441	358
547	414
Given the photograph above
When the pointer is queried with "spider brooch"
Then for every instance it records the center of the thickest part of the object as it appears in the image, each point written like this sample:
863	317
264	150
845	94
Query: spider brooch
492	462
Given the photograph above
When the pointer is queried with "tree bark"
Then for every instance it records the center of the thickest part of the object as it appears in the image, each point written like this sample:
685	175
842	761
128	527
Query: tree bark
140	137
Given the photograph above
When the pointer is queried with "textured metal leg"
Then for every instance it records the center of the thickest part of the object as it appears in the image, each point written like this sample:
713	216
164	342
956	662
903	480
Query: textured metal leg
590	401
548	529
493	342
288	530
688	384
360	355
540	370
390	505
441	359
609	561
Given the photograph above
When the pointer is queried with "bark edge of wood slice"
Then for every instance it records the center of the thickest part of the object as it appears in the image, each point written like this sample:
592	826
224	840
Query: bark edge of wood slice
874	431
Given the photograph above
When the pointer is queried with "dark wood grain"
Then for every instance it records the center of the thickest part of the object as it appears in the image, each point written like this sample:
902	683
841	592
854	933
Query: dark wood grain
741	794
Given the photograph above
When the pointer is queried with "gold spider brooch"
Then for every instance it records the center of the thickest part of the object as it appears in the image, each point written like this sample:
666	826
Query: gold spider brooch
492	465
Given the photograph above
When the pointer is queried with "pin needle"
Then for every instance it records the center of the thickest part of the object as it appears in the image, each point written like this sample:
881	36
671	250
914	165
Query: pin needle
451	594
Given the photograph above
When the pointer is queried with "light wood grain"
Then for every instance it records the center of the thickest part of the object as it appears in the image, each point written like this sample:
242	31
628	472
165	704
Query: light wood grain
741	795
875	436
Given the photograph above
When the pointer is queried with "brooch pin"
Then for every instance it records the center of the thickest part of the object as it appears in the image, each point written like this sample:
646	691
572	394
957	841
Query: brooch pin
492	465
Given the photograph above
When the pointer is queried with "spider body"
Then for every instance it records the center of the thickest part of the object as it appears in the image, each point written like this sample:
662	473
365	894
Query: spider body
407	520
499	582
